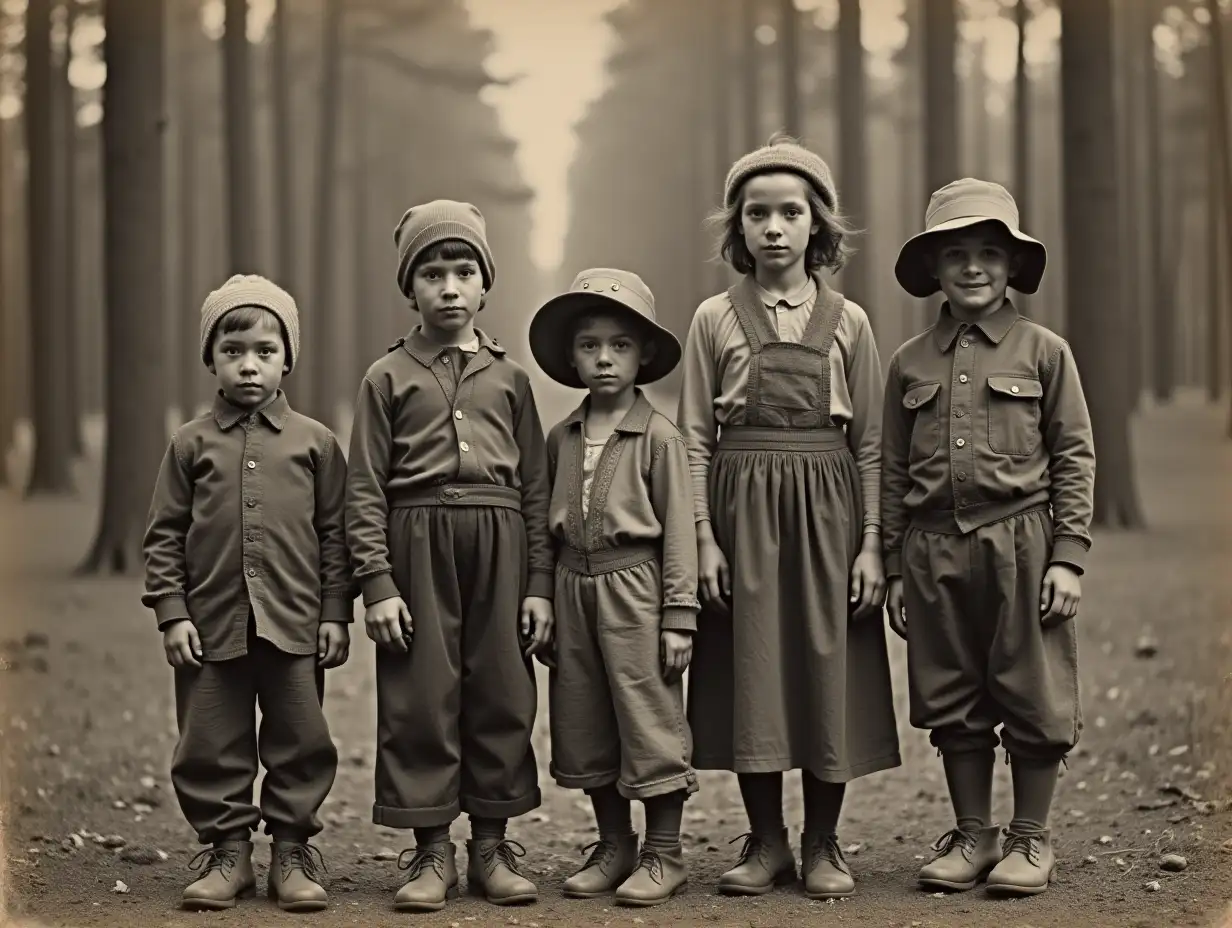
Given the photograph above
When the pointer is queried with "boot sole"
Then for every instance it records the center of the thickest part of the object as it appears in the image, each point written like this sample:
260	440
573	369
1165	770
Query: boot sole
517	899
414	906
952	885
576	894
786	878
842	895
647	903
1011	889
217	905
304	905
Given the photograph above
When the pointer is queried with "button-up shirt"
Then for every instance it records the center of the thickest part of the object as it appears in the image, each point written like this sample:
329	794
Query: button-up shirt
641	495
984	420
248	515
417	428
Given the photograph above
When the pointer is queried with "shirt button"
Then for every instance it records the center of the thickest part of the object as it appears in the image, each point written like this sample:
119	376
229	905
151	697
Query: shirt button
252	537
252	464
445	360
464	446
1014	388
962	378
958	414
961	476
965	343
251	503
252	571
961	442
457	414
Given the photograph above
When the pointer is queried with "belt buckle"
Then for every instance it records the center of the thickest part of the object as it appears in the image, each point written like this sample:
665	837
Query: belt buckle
449	493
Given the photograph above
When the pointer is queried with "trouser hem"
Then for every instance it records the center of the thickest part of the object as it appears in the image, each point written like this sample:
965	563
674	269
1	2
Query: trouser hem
503	808
394	817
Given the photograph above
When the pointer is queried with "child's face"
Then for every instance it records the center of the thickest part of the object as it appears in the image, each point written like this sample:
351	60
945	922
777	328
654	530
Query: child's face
249	364
974	267
608	353
447	295
776	220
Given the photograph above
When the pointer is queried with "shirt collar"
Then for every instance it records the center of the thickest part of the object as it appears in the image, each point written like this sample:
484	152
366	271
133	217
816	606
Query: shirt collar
425	351
635	422
994	327
275	412
805	292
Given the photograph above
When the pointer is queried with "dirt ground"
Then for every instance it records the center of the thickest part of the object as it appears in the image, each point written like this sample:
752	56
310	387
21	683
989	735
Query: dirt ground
87	729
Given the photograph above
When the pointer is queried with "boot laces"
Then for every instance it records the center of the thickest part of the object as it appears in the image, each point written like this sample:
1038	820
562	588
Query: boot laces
422	858
222	859
601	852
1028	845
305	857
504	852
964	841
652	862
753	847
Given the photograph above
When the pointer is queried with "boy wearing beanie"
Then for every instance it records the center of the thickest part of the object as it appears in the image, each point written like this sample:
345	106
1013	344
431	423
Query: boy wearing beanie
248	575
447	516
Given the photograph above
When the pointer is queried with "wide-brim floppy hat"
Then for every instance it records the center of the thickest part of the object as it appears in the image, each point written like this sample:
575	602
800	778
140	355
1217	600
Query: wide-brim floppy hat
599	289
959	205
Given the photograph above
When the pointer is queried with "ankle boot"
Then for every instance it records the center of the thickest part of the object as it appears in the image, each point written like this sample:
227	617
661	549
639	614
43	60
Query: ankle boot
660	874
825	870
294	877
612	860
432	878
492	872
765	862
1027	867
226	875
963	858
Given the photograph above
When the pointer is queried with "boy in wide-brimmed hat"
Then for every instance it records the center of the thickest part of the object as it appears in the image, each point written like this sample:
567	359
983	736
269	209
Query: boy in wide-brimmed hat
988	472
626	583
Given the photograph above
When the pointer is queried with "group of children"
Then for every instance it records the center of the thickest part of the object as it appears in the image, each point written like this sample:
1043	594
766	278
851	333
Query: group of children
756	542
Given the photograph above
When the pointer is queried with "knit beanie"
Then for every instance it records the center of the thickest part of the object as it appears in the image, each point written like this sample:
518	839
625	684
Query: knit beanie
250	290
423	226
782	154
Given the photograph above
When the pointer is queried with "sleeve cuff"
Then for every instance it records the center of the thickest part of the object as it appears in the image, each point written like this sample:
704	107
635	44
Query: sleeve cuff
1071	552
337	609
679	619
170	609
377	587
893	563
541	583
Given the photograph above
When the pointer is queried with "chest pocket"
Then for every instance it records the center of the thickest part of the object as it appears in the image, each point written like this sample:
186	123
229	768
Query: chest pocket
921	403
790	387
1014	414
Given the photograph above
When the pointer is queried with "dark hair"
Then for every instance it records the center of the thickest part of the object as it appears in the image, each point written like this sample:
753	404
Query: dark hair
243	318
451	249
598	310
935	244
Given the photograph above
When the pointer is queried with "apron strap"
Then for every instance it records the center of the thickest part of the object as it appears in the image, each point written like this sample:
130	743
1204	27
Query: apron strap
750	311
820	333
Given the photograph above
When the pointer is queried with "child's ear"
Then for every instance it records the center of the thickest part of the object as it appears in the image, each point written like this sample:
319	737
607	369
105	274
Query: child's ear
649	350
1015	263
210	367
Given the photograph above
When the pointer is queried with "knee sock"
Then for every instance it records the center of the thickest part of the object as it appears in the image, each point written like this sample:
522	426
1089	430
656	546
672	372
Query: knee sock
663	814
968	774
1034	783
763	802
613	812
437	834
488	828
823	802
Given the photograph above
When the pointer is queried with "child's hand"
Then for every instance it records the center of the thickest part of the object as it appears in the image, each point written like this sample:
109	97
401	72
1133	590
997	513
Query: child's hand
713	571
387	622
676	649
537	622
1060	596
182	644
333	644
894	606
868	585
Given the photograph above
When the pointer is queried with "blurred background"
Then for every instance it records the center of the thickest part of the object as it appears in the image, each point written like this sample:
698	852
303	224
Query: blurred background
151	148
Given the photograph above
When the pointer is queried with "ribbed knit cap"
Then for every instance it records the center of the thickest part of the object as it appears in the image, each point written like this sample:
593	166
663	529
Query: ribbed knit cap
426	225
250	290
782	155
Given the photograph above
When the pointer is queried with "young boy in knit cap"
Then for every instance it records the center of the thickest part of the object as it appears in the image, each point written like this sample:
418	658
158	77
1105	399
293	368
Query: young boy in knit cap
626	583
988	473
447	507
248	575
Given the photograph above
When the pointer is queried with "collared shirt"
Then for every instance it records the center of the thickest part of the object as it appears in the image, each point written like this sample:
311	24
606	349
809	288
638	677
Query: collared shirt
248	514
640	496
716	375
983	420
416	428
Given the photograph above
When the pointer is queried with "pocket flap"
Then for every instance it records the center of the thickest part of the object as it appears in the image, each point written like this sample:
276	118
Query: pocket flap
1018	387
919	395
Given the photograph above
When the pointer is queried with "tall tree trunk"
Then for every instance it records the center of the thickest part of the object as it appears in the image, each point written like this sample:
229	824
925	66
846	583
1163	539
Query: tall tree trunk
940	30
188	374
69	235
1096	323
1160	296
722	22
283	148
980	154
7	399
1223	140
241	154
1022	131
789	59
752	76
53	437
853	145
368	321
1216	297
136	394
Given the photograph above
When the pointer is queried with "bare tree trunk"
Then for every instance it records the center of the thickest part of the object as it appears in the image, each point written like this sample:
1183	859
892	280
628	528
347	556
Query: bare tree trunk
722	23
1160	296
69	235
53	440
853	145
7	400
789	52
241	154
1093	273
1022	132
979	111
190	291
136	394
940	29
1216	298
367	318
1223	138
752	77
284	175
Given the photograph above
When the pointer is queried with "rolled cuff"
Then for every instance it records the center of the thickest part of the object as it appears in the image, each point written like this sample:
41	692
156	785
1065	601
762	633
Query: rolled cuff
541	584
893	564
170	609
377	587
679	619
337	609
1072	552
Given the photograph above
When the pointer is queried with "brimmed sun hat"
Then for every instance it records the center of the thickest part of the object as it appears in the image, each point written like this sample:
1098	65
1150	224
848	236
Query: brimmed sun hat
599	289
957	205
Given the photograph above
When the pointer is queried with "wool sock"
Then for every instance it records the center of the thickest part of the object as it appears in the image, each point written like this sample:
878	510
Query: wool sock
763	803
968	774
663	815
823	803
485	829
613	812
1035	781
437	834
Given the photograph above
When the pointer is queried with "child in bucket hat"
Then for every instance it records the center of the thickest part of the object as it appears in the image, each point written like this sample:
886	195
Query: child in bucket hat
986	446
622	519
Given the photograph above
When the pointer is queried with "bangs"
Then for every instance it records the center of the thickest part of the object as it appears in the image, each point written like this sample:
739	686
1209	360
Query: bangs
451	249
243	318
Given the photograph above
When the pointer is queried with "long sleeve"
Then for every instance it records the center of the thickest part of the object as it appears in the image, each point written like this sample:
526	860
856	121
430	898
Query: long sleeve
895	482
166	536
536	495
367	510
669	494
329	519
866	388
695	416
1071	459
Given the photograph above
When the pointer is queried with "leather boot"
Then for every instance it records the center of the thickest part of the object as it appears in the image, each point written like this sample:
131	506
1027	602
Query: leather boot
825	871
765	862
1027	867
431	879
611	862
963	859
295	877
492	872
226	875
660	874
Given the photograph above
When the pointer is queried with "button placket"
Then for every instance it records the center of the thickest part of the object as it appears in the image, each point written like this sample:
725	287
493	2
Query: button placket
252	514
961	425
468	467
